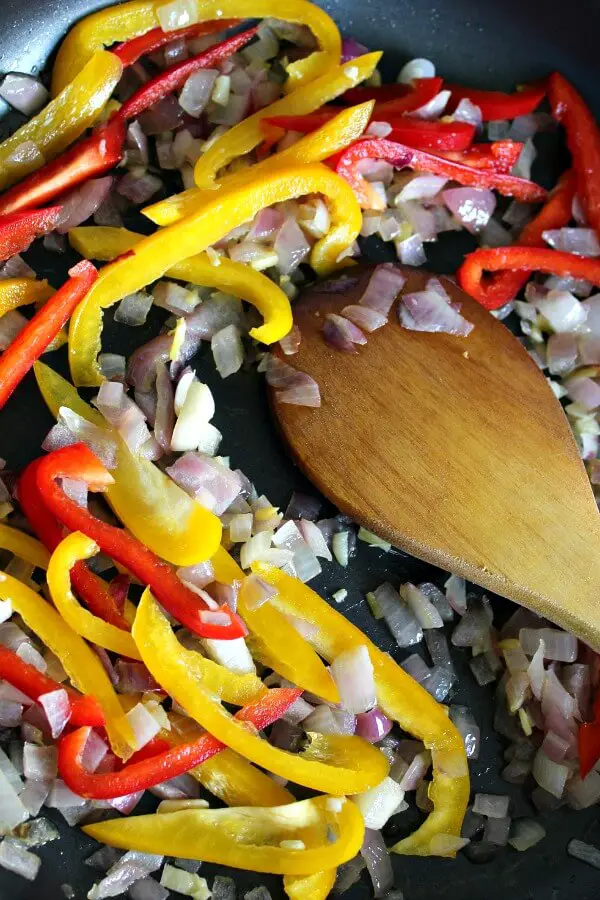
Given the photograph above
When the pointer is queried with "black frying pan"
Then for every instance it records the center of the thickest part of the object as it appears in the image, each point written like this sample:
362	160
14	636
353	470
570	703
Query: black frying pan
487	43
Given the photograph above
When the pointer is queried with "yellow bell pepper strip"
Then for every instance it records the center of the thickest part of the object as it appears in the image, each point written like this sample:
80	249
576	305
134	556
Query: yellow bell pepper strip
400	698
24	546
334	136
274	641
246	837
79	661
156	510
64	119
159	252
243	138
230	277
16	292
71	550
331	763
317	886
129	20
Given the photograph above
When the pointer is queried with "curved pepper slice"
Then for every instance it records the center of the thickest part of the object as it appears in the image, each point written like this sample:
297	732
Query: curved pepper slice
84	709
172	762
43	328
78	462
401	699
420	91
331	763
130	51
73	549
121	23
523	259
104	243
275	642
495	105
20	229
402	156
159	252
24	546
246	837
499	156
501	287
155	509
16	292
66	117
243	138
81	664
333	136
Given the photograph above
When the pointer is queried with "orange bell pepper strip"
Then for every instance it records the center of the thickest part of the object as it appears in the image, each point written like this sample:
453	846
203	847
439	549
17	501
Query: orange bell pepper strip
400	698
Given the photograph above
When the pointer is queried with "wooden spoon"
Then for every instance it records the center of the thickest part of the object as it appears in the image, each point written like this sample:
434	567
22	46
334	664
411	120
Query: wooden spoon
453	449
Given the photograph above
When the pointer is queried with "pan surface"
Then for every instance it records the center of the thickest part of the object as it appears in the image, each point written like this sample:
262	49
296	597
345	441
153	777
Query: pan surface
484	44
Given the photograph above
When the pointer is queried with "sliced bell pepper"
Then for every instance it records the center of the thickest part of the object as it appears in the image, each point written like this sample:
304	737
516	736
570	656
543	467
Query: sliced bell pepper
78	462
588	742
346	126
129	20
104	243
176	76
274	641
73	549
81	664
521	259
16	292
66	117
35	337
417	133
583	139
243	138
84	708
170	763
499	156
400	698
155	509
423	90
402	156
246	837
383	92
130	51
161	251
94	156
24	546
331	762
20	229
501	287
495	105
92	589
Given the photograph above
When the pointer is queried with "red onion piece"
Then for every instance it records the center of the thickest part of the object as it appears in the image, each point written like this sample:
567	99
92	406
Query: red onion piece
166	115
428	311
558	645
290	246
352	672
384	285
582	241
198	474
134	678
199	574
304	392
473	207
469	730
290	344
139	188
411	251
562	353
373	726
141	371
196	92
364	317
265	224
377	858
422	187
136	145
434	108
24	93
584	391
165	410
466	111
351	49
279	374
81	203
341	334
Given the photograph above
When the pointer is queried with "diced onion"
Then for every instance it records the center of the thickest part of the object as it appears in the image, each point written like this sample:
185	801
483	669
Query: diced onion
352	672
379	803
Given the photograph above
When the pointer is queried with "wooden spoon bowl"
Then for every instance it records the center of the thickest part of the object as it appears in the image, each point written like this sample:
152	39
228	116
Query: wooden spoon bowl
453	449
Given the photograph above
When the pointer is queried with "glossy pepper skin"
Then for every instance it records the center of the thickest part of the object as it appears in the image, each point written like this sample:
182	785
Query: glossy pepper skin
155	254
583	139
19	229
94	156
16	292
526	260
92	589
43	328
499	156
24	546
139	775
502	287
173	78
420	91
403	156
130	51
80	463
85	709
588	742
495	105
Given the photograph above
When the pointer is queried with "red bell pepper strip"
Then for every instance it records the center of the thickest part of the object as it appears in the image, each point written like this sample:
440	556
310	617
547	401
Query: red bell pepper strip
93	156
85	709
588	742
187	607
416	133
18	230
495	105
384	92
96	594
424	90
175	77
583	138
143	774
502	287
41	330
499	156
524	259
130	51
407	157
